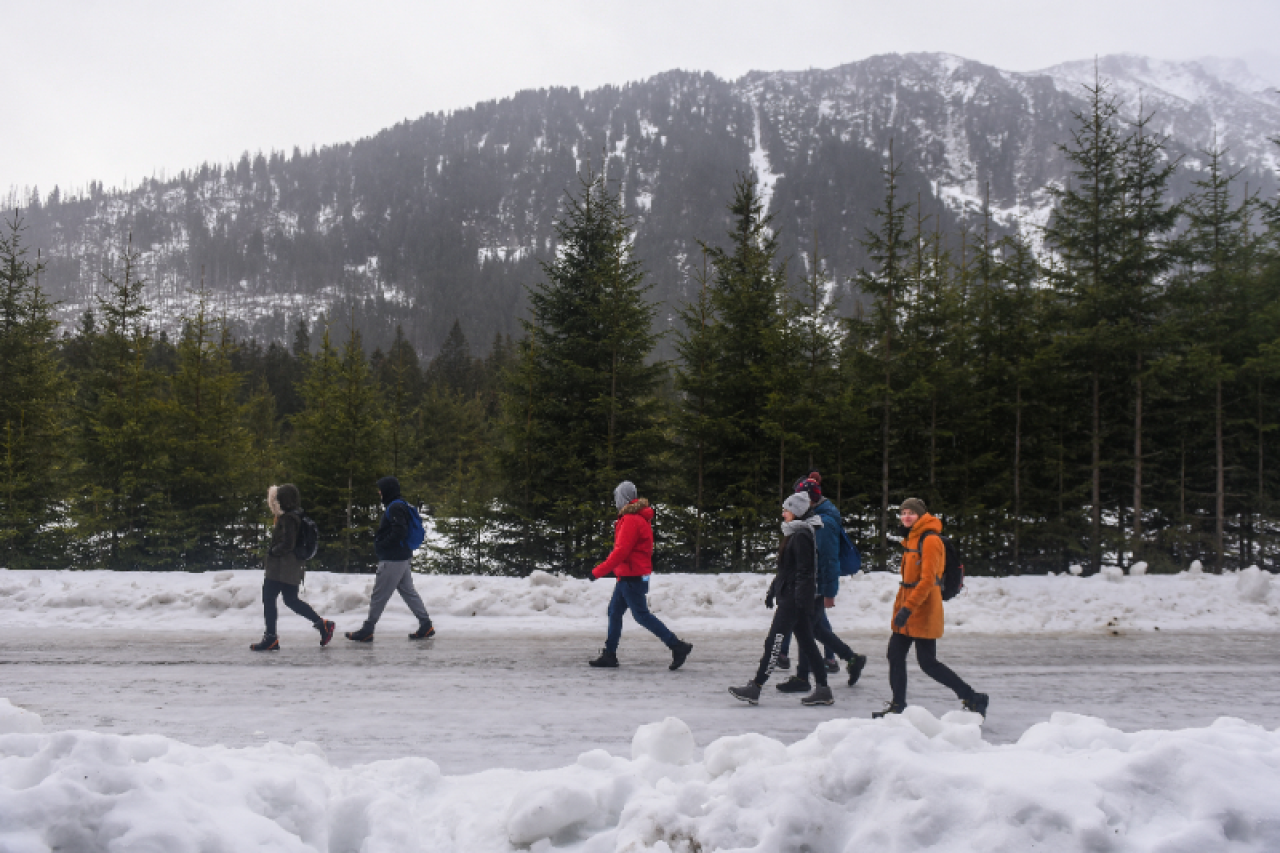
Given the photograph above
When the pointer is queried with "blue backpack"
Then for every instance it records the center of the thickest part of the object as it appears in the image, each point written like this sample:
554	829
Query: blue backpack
417	533
850	556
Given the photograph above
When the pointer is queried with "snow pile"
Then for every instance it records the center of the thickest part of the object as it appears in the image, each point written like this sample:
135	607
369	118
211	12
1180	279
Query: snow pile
907	783
1113	601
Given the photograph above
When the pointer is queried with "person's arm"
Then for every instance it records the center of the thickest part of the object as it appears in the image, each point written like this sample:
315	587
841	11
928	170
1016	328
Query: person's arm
933	557
624	543
397	527
828	567
284	535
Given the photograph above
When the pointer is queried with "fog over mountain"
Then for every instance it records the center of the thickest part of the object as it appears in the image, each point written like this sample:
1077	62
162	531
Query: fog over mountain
447	216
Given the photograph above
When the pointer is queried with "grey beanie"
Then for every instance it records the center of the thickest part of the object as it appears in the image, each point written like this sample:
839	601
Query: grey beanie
915	505
797	504
624	494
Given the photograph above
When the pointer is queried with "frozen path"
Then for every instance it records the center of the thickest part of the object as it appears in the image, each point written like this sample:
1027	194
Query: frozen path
526	699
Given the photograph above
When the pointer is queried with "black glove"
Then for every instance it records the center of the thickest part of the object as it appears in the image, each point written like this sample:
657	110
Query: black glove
591	576
900	620
768	600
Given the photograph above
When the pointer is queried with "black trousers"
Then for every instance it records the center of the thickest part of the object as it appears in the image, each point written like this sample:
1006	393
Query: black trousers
791	617
822	633
273	589
927	657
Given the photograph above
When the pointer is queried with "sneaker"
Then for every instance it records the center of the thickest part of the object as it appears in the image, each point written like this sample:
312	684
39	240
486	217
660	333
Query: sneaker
680	653
889	708
833	665
749	693
821	695
607	660
794	684
326	629
977	703
268	643
425	632
783	662
364	635
855	665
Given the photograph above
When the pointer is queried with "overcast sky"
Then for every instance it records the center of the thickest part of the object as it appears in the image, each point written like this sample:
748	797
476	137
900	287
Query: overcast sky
118	90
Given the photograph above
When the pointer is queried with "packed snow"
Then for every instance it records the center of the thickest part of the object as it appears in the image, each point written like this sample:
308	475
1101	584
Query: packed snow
1110	601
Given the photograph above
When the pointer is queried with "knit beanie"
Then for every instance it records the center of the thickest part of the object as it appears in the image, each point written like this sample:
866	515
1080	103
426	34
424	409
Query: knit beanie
915	505
797	504
624	494
812	484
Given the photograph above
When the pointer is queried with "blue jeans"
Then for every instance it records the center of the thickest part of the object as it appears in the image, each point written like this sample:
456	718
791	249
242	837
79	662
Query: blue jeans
630	594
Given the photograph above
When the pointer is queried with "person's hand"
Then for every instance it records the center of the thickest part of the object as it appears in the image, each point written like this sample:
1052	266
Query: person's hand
828	602
591	576
904	613
768	600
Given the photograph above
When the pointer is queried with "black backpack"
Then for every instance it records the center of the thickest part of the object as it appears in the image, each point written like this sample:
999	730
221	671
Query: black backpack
308	538
952	580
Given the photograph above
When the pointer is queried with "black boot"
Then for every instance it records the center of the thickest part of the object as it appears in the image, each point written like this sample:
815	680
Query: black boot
889	708
977	703
679	653
855	665
607	660
268	643
794	684
749	693
425	631
326	629
364	635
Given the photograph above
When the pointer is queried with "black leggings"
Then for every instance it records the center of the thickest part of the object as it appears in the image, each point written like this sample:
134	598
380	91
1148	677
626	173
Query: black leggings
790	617
822	633
927	657
271	589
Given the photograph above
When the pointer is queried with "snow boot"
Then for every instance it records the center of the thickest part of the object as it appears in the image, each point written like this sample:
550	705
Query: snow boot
855	665
679	653
607	660
364	635
889	708
749	693
821	695
783	662
977	703
425	632
833	665
794	684
269	643
326	629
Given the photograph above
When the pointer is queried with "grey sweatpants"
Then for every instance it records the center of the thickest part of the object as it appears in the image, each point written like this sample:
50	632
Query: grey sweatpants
394	575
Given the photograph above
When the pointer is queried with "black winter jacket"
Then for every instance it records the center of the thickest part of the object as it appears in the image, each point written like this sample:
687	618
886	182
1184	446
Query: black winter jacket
797	568
388	542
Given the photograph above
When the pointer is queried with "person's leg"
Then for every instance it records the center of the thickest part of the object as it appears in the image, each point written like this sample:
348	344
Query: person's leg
384	583
927	657
410	594
270	591
617	609
899	645
289	592
635	597
786	646
809	648
784	619
825	634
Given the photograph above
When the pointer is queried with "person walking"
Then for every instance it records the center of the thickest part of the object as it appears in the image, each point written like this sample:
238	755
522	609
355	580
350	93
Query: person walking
283	570
917	611
631	563
395	565
828	537
793	591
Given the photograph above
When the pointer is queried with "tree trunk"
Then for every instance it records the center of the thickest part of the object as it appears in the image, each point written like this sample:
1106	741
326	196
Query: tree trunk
1137	466
1017	479
1220	497
1095	545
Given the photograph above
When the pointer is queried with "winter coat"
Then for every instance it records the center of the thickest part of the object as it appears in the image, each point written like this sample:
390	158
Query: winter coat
828	536
919	590
389	541
632	554
282	564
797	577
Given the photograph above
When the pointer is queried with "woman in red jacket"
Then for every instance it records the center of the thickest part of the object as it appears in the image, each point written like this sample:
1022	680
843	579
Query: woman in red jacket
631	562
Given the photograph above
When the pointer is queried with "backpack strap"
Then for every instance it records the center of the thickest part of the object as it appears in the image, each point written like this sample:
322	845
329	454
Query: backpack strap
920	551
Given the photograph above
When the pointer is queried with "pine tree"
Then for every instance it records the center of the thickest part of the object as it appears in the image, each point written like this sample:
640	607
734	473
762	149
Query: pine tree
401	380
32	410
453	445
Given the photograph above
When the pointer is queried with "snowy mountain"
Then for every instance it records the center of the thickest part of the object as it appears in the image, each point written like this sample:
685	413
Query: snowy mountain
447	216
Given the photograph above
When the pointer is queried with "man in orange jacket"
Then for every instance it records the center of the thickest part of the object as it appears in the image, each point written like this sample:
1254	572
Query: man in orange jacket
631	562
917	611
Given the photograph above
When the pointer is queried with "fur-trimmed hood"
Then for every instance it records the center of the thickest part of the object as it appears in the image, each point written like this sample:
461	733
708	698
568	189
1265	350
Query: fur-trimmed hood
283	499
635	506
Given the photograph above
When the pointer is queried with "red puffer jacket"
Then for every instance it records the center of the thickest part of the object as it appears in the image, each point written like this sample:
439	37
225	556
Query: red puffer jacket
632	554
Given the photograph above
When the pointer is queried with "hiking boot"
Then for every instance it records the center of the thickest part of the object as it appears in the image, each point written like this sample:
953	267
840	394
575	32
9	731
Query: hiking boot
268	643
326	631
679	653
821	695
607	660
794	684
364	635
783	662
833	665
855	665
749	693
889	708
425	632
977	703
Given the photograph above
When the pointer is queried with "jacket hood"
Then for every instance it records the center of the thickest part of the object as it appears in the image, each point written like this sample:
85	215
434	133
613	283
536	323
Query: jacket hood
638	506
390	489
923	523
827	510
286	497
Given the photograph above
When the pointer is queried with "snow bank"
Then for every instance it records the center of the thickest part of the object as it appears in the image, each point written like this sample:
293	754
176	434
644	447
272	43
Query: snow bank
173	600
907	783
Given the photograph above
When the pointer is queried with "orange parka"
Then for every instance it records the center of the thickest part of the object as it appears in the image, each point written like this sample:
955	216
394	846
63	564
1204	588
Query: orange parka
919	590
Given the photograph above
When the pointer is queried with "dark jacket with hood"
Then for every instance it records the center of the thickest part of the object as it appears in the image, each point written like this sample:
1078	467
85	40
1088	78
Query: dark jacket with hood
828	536
389	541
282	564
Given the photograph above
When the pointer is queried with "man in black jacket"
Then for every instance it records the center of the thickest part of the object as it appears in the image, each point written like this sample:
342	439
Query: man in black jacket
394	566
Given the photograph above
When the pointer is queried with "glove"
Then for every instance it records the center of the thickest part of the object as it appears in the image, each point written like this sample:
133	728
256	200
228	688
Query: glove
828	602
904	613
768	600
591	576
